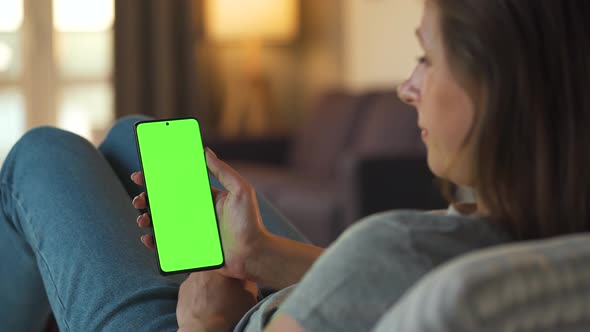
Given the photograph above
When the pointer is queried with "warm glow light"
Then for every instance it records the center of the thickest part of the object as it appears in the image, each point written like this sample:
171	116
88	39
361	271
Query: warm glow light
11	14
274	20
84	108
83	15
76	122
12	119
5	57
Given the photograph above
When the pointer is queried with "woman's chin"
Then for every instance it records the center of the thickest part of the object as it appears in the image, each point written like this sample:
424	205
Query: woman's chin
432	165
435	165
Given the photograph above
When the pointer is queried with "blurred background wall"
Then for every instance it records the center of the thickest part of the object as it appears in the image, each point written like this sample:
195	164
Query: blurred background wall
298	95
80	65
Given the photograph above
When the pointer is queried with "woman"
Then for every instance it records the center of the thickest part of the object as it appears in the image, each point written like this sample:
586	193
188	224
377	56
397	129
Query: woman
500	94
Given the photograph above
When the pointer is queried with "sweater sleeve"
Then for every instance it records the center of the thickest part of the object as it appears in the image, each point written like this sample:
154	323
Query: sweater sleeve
371	266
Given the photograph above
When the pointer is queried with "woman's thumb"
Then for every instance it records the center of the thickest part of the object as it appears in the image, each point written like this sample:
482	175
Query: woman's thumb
226	175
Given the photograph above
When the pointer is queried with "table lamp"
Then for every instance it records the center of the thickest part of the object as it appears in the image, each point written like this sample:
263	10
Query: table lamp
250	24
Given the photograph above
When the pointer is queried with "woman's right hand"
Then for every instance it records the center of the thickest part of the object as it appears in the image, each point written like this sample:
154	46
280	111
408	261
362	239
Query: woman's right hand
240	223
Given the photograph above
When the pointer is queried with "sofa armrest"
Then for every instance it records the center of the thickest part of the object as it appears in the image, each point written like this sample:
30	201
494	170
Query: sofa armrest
385	183
268	150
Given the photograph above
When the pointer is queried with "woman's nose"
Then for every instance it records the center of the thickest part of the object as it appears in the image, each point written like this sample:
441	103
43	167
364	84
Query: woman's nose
408	93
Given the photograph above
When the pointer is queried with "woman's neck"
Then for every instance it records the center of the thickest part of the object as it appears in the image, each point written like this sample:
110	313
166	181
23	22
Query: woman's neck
476	208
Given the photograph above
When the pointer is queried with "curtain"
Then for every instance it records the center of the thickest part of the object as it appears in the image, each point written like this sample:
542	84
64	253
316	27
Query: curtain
155	60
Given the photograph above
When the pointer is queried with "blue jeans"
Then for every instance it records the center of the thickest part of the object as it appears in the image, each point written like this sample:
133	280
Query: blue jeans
69	242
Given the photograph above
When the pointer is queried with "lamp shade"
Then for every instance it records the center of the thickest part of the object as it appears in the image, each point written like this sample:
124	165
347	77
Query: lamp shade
264	20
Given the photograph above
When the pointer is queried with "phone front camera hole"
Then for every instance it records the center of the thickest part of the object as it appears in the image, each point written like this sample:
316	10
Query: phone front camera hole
167	123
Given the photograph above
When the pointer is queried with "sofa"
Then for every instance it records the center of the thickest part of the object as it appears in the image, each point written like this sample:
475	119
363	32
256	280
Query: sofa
540	286
355	154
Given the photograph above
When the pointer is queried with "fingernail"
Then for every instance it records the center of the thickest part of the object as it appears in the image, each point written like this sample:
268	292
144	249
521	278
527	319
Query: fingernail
211	151
138	217
133	174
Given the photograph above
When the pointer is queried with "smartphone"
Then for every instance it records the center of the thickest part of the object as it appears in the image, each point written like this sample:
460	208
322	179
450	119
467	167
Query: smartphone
180	200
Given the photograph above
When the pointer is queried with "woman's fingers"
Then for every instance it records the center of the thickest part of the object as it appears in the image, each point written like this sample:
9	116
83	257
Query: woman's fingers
226	175
148	241
144	221
137	177
217	193
140	201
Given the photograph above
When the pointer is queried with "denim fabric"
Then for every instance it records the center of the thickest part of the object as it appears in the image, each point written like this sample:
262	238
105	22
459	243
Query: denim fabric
68	237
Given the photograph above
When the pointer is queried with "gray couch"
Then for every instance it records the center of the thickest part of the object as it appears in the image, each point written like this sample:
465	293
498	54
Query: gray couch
541	286
354	155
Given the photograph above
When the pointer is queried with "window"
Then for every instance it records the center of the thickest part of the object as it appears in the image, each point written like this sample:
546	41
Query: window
56	62
83	55
12	115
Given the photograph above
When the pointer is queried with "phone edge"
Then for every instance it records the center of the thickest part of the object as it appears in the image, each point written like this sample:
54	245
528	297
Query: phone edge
162	272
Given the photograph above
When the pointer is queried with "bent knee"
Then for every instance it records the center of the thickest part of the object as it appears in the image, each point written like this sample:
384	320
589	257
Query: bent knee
123	128
45	134
48	139
128	122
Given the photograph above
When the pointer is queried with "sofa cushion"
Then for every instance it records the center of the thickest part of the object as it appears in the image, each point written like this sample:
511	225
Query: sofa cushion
314	205
325	134
387	126
537	286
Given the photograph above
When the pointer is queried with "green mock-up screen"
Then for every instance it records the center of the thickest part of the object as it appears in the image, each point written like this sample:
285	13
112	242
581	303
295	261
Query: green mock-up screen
179	195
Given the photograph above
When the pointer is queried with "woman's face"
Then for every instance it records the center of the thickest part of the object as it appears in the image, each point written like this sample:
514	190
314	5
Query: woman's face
445	111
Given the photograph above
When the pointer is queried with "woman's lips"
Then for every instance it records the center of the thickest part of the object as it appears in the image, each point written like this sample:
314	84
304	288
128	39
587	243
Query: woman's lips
424	134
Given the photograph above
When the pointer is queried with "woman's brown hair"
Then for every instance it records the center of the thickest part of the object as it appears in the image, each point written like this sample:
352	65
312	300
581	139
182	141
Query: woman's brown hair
526	64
